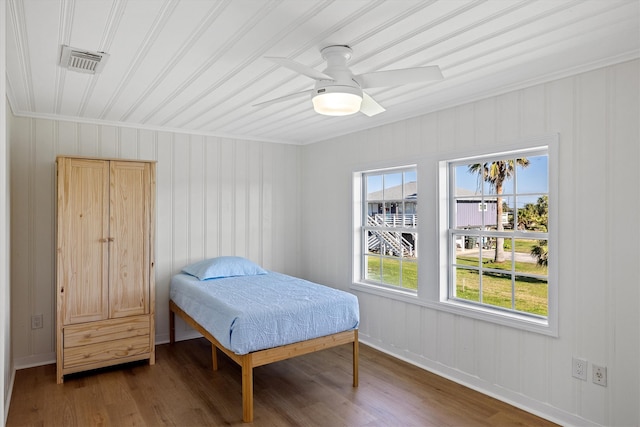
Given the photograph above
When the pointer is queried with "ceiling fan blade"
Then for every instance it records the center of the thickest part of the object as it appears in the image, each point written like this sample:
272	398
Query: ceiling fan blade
369	106
300	68
399	77
284	98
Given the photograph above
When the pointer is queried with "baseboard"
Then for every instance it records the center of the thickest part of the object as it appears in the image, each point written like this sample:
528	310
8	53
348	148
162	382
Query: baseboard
189	335
517	400
49	358
34	360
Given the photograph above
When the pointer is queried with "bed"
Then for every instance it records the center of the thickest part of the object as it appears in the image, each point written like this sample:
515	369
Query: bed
257	317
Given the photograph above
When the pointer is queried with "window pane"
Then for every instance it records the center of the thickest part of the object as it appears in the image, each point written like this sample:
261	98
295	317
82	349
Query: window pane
531	295
533	177
410	275
374	187
467	183
489	211
468	254
393	186
391	271
391	243
508	212
531	256
374	208
411	208
410	240
372	268
374	244
467	284
469	213
496	289
394	216
497	253
533	213
409	177
499	177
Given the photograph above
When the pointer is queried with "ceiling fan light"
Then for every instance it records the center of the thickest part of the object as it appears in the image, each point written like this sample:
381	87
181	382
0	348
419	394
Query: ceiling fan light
337	102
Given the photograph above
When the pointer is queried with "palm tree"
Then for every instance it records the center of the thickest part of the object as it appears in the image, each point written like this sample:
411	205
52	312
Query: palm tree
541	253
534	216
495	174
540	250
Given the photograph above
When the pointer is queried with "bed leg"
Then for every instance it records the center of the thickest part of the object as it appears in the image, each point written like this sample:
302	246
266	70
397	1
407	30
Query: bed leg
355	358
247	389
214	356
172	326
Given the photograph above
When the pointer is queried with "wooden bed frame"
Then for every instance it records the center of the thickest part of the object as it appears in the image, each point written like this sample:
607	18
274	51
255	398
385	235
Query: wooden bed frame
264	357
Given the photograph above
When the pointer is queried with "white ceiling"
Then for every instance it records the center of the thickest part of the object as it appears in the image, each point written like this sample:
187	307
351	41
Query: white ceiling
198	65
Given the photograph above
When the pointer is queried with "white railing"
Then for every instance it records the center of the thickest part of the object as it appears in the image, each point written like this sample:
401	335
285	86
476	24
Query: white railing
393	242
396	220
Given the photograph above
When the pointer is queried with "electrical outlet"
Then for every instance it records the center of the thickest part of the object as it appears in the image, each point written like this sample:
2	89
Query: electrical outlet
579	369
36	321
600	375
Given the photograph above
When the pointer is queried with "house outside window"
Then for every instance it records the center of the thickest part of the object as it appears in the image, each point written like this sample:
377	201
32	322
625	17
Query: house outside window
498	253
389	228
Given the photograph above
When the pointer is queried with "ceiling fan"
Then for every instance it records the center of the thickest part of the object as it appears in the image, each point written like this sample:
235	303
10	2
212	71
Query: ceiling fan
338	92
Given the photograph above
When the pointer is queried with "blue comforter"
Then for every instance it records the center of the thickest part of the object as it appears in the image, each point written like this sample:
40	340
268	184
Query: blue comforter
250	313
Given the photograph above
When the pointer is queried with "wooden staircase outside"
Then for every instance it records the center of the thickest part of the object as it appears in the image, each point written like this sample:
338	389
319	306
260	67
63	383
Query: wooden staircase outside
392	240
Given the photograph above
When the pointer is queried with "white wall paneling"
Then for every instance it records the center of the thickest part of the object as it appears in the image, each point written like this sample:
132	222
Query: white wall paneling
6	363
289	209
596	115
622	258
215	196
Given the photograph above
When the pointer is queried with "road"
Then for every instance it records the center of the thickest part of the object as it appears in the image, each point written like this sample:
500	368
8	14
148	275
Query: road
490	253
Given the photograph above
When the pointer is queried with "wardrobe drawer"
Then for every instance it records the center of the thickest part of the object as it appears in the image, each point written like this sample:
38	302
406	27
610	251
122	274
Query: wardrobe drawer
105	351
106	330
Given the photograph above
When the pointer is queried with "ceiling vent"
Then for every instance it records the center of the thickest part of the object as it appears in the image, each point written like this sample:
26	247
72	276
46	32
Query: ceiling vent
83	61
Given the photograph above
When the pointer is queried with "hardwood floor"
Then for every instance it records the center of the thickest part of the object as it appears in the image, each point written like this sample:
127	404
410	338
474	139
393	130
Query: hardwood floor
311	390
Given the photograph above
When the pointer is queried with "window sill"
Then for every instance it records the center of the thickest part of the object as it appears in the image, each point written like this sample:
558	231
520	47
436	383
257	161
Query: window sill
386	291
513	320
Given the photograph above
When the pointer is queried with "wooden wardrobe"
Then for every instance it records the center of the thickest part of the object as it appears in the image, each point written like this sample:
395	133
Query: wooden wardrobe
104	263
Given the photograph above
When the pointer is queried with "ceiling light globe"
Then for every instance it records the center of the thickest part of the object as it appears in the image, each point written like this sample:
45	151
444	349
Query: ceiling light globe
332	101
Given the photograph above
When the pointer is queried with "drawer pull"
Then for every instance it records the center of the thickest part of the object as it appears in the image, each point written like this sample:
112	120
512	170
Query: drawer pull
87	335
129	328
129	348
86	356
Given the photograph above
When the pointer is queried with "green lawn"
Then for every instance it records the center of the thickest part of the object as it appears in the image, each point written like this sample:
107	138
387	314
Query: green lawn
391	272
523	246
530	293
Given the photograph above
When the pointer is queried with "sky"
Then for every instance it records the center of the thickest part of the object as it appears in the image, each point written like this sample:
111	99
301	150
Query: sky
374	183
532	181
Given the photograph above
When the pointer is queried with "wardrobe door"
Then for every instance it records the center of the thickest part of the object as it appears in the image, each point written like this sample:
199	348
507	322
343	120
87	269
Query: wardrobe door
83	230
129	256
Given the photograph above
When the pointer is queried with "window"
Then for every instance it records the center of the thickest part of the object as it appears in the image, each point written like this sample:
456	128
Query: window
389	228
498	233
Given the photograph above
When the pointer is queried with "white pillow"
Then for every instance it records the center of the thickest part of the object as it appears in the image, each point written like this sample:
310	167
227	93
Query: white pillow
223	266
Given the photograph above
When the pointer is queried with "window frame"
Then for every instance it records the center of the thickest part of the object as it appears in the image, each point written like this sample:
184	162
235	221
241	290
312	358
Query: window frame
548	325
361	208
